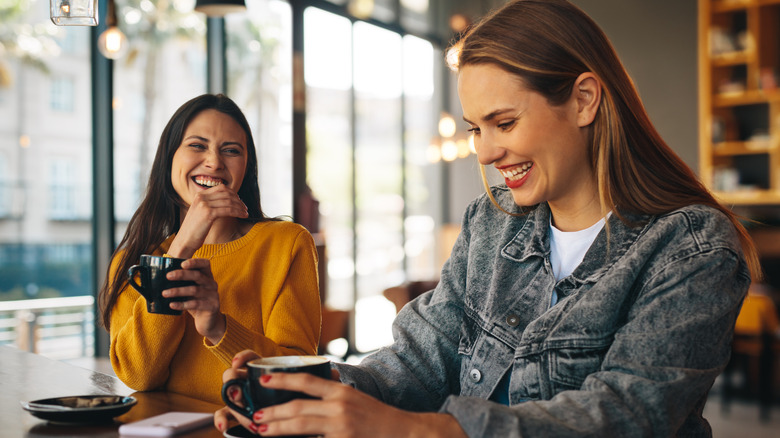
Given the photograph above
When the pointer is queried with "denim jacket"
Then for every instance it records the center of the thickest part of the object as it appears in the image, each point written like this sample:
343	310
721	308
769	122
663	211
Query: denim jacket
641	329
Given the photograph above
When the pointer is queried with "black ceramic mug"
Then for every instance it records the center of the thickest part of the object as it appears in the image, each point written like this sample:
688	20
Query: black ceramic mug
255	397
152	271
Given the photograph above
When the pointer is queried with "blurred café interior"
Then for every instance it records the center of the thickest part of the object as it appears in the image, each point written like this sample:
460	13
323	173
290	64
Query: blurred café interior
360	139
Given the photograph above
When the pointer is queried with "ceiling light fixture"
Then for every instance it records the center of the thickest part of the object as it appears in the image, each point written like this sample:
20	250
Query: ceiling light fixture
73	12
218	8
112	43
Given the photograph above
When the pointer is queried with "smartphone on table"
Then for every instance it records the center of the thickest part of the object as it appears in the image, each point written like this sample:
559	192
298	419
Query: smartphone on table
167	424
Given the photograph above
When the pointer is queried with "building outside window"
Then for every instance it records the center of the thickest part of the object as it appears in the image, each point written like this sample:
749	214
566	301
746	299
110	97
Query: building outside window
62	96
62	190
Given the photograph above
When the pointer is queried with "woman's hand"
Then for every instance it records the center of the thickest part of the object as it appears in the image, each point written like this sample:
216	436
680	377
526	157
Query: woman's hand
237	370
342	412
203	304
208	206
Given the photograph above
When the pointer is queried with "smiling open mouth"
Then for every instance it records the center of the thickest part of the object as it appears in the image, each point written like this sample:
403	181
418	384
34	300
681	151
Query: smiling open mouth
516	173
205	181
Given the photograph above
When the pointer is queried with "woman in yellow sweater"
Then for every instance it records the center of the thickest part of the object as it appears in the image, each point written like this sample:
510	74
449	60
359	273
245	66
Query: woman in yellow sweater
255	277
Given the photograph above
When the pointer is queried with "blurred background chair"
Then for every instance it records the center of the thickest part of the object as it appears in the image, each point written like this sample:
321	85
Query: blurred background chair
755	346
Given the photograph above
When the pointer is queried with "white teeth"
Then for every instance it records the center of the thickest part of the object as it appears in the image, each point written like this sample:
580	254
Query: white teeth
516	173
208	182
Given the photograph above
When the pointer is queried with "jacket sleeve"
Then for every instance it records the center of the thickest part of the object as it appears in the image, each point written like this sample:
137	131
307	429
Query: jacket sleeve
142	344
291	314
657	371
421	368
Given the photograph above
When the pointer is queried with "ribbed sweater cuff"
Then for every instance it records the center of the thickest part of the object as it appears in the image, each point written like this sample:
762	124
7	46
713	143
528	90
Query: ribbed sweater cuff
235	340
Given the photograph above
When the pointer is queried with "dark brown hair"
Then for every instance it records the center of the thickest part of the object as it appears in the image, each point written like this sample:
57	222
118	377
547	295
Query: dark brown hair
548	44
158	215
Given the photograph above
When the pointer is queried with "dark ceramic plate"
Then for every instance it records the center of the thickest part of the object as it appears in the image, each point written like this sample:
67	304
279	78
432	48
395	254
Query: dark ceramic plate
81	408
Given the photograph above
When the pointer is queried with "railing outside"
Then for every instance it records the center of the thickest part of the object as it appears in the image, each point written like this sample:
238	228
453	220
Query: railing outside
60	328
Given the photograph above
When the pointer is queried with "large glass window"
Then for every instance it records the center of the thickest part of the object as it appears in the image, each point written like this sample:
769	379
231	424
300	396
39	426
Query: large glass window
259	61
328	76
370	117
46	150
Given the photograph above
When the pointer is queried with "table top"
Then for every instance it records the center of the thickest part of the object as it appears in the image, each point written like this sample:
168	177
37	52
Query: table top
25	377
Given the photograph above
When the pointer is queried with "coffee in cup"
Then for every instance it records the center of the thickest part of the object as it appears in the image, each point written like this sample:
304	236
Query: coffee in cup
152	271
255	397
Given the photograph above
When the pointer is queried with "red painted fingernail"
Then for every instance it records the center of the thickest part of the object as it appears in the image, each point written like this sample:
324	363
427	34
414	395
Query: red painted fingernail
233	393
258	416
219	427
262	427
265	378
253	427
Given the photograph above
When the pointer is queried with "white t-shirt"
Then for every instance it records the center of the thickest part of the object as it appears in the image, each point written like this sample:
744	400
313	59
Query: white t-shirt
568	248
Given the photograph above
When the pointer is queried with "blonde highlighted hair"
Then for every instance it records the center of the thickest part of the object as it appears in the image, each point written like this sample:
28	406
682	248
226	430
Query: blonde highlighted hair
548	44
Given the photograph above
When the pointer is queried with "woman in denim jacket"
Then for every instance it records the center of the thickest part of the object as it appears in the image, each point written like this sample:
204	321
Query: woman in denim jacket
594	294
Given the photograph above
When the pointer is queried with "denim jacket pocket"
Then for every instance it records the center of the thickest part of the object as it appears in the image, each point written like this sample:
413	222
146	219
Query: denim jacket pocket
569	365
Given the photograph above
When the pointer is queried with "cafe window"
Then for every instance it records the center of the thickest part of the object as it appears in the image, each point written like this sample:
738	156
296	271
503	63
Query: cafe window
46	145
259	50
370	113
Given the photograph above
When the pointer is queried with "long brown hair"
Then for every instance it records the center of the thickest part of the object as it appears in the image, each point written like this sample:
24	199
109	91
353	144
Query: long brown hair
158	215
548	44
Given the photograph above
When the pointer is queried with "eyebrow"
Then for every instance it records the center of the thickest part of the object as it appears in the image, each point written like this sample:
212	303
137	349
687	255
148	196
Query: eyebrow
204	139
491	115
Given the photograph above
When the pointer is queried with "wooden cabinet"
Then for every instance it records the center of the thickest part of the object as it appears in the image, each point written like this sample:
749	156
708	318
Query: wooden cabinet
739	100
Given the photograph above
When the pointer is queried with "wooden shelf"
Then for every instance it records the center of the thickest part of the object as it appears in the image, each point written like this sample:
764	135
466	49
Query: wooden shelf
731	148
749	197
749	97
732	58
731	5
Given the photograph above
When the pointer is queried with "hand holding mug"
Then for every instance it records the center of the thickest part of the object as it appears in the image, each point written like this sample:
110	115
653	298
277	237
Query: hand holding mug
152	272
331	409
255	396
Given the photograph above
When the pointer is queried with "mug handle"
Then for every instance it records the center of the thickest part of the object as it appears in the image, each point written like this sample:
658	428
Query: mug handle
131	278
247	410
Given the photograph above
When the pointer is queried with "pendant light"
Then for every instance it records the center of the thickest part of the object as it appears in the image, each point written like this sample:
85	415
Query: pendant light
73	12
218	8
112	43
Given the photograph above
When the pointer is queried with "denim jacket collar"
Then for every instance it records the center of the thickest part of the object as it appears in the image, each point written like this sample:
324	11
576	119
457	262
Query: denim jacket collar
532	241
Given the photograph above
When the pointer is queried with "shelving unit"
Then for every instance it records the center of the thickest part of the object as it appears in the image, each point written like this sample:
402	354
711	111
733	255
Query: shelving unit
739	100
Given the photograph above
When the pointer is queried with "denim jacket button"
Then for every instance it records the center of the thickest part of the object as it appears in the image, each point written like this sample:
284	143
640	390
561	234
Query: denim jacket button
512	320
475	375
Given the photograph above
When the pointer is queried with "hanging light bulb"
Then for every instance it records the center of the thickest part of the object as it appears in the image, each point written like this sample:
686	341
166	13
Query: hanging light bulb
449	151
218	8
112	43
361	8
433	153
73	12
447	126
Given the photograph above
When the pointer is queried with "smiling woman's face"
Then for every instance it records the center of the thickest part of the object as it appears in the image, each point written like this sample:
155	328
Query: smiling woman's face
212	152
540	150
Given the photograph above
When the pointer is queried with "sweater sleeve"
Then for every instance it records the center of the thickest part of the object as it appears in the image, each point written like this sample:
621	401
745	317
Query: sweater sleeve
142	344
290	306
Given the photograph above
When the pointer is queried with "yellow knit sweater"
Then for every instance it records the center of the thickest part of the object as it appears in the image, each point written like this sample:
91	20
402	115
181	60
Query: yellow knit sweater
269	293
